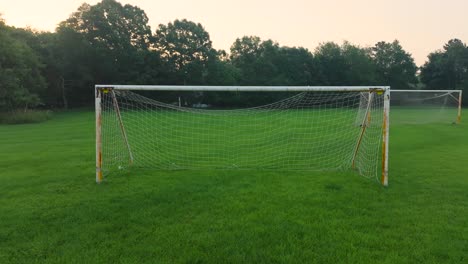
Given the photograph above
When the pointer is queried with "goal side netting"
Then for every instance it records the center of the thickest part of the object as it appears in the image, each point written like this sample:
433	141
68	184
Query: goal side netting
300	130
426	106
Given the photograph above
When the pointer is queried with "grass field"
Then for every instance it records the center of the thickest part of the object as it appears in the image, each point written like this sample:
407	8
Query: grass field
293	139
52	211
421	115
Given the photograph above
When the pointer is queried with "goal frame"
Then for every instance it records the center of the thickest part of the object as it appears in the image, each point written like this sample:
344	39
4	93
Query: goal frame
460	92
104	88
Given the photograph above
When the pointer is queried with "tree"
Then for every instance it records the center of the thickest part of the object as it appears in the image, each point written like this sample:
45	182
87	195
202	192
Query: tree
331	63
345	65
245	54
360	68
267	63
434	73
188	49
104	43
118	35
447	68
221	71
20	72
297	66
110	25
395	66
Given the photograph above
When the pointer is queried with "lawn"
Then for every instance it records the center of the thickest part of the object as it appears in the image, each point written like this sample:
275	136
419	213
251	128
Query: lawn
52	211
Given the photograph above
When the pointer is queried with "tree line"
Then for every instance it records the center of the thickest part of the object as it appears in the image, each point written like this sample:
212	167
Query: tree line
112	43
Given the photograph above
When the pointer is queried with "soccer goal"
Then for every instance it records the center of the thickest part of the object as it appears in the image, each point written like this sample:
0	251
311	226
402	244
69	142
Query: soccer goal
243	127
426	106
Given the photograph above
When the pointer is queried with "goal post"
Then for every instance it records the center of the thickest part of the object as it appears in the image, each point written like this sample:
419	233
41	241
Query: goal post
300	128
459	107
427	106
385	137
98	96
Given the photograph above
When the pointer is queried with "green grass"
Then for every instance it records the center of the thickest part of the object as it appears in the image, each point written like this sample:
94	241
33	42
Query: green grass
285	140
23	117
424	115
52	211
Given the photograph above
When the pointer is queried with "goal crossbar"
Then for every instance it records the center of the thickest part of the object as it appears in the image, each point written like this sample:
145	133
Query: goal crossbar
242	88
427	91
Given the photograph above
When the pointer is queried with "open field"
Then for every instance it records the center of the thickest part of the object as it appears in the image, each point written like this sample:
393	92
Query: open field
52	211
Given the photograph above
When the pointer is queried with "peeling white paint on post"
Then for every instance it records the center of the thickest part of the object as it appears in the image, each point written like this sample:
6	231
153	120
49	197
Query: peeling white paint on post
385	138
98	136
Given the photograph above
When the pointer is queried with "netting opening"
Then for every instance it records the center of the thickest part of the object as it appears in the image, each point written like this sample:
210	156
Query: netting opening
305	131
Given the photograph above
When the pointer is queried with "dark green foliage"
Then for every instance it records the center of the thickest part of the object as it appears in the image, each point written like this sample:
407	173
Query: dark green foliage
360	69
187	47
332	63
394	66
109	26
447	68
21	80
104	43
267	63
345	65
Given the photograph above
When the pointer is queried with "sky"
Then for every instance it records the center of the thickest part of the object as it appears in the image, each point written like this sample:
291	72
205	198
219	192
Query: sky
421	26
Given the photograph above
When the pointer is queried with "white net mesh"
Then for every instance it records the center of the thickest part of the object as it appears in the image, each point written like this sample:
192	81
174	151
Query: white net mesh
305	131
423	107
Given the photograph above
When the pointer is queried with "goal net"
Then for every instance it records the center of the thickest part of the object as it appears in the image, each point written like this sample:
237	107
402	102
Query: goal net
426	106
269	128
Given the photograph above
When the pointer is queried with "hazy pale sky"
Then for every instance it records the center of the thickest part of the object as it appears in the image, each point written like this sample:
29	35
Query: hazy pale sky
422	26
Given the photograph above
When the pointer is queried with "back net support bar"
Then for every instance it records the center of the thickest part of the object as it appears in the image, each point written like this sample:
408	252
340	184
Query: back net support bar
243	127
